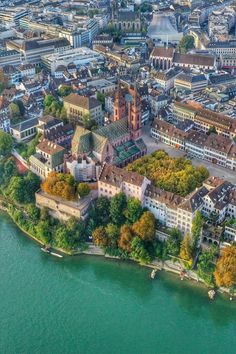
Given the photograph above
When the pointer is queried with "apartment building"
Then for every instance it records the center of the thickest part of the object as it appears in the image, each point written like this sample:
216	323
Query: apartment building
113	180
204	119
215	148
215	197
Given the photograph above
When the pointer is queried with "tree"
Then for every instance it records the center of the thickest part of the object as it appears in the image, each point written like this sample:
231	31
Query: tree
61	238
83	189
48	100
225	274
60	184
173	242
21	107
99	236
14	111
186	44
176	175
133	211
139	252
112	233
186	250
99	212
126	237
33	212
117	208
3	80
8	169
43	231
211	130
145	227
63	115
196	229
16	189
205	265
89	123
6	143
101	98
64	90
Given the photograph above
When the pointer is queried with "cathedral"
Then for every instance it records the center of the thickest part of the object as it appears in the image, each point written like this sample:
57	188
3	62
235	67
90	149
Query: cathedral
119	142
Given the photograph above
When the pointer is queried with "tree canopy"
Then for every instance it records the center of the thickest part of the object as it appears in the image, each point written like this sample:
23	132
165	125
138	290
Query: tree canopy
60	184
225	273
83	189
145	227
175	175
186	44
6	143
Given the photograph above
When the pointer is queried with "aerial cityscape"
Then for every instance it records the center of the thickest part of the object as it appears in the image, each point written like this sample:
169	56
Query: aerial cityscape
117	176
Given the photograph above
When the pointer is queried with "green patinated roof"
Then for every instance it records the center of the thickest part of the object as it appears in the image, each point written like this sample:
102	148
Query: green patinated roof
114	130
85	141
81	142
98	142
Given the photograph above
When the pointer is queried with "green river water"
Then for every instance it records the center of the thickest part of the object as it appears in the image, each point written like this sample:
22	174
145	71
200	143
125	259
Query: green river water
94	305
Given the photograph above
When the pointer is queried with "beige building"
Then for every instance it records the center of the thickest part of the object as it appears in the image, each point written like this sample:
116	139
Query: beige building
63	209
48	157
77	107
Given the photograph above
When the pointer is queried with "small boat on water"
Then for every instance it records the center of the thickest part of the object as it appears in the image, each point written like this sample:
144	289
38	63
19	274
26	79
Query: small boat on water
47	249
211	294
153	273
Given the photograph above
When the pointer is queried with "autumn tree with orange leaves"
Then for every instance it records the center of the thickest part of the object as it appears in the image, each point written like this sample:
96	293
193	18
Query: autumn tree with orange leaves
225	273
145	227
60	184
126	237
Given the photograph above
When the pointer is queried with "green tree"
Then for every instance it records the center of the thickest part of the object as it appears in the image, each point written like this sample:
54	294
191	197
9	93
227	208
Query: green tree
6	143
173	242
34	212
101	98
99	212
117	208
21	107
83	189
186	44
48	100
196	230
186	250
206	266
64	90
145	227
14	111
63	115
16	189
43	231
133	211
139	251
112	234
89	123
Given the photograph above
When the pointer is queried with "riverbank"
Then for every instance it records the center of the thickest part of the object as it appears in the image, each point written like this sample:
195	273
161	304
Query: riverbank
168	266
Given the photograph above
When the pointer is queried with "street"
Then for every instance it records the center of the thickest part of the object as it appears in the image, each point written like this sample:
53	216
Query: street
214	170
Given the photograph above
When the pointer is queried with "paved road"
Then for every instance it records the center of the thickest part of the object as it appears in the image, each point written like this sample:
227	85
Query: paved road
214	170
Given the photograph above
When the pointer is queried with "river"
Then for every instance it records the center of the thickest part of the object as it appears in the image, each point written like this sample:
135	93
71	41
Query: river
93	305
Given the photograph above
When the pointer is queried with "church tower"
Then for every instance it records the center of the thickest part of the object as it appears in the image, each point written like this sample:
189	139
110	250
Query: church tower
119	105
135	114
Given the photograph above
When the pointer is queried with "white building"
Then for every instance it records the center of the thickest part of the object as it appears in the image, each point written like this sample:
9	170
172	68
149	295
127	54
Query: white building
78	56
